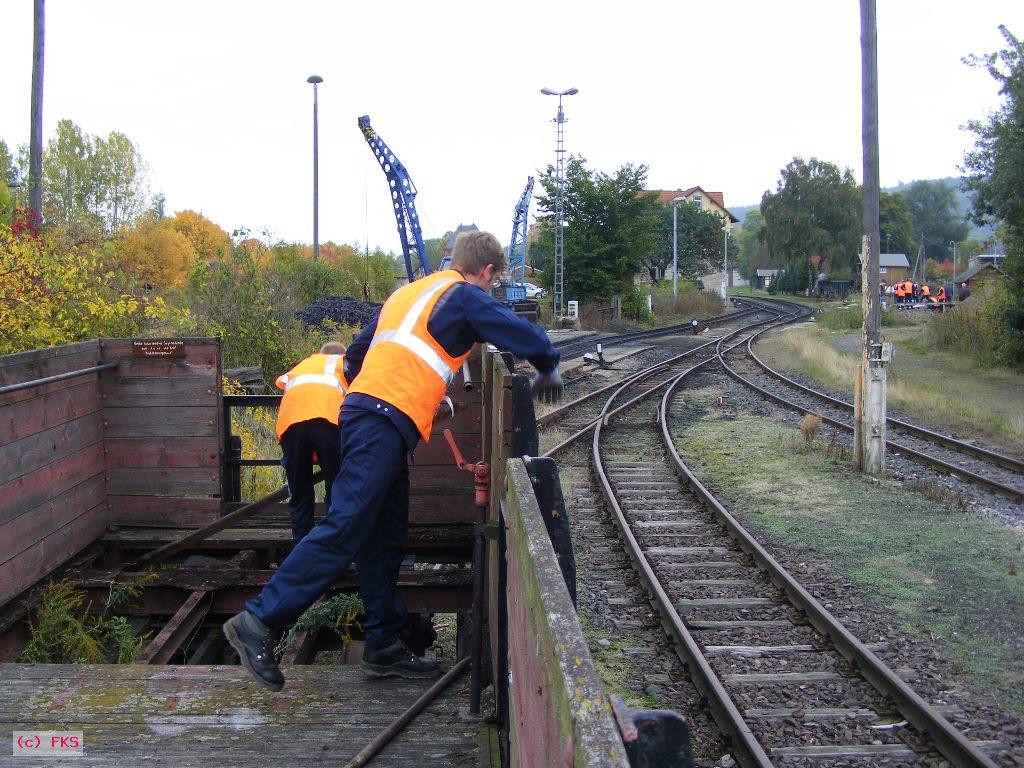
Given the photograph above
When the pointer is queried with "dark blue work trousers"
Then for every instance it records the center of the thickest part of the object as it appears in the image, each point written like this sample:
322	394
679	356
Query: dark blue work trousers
298	444
366	524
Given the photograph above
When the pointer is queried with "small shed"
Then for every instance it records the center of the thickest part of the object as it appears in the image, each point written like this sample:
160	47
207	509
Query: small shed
893	267
979	276
764	278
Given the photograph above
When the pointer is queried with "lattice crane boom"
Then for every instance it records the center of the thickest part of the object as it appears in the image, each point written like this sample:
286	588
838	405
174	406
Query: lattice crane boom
403	200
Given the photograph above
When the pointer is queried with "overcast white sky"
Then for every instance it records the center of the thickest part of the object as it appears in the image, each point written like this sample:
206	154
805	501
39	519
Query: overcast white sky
716	94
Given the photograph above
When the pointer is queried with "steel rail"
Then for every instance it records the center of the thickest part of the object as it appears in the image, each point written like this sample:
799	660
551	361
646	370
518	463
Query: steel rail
559	412
56	377
635	380
920	457
748	751
948	740
653	333
947	441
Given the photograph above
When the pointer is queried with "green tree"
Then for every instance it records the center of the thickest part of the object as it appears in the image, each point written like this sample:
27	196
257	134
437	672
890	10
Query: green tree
815	211
120	179
896	226
753	254
932	206
8	171
611	226
996	178
70	178
699	242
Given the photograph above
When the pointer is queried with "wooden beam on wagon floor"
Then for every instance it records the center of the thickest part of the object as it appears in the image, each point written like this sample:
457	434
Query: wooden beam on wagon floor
161	554
162	647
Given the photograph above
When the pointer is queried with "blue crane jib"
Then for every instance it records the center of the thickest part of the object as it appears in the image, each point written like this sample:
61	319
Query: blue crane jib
515	291
403	198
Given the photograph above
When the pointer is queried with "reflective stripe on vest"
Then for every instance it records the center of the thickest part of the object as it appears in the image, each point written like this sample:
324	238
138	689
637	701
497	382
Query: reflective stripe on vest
326	378
404	337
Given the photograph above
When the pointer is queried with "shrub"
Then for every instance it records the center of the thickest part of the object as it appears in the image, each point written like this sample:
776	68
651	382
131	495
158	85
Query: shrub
971	329
809	426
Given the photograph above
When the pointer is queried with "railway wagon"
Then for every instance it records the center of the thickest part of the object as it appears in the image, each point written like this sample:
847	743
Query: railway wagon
121	469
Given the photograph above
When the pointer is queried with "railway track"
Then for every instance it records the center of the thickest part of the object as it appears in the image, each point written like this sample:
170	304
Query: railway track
573	347
785	681
578	416
971	463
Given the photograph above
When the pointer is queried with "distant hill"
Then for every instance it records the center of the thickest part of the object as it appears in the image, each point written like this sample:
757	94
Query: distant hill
964	202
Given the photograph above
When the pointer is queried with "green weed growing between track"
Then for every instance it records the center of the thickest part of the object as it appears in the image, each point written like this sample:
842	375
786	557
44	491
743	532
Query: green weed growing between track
943	573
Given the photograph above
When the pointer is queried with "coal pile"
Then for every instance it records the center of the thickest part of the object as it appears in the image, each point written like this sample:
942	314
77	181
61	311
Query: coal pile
340	309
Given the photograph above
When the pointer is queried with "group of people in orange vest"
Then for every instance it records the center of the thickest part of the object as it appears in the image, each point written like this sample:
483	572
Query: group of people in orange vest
906	291
360	412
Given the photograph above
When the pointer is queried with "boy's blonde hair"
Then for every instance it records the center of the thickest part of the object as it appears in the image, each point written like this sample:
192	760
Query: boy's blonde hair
473	251
332	348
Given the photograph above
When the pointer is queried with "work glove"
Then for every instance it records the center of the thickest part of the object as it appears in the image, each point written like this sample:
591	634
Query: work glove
547	387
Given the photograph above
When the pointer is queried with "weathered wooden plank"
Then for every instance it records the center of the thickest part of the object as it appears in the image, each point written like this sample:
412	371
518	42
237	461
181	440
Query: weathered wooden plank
44	368
148	391
162	452
556	697
37	487
35	452
420	538
163	511
162	648
154	481
161	421
35	524
27	567
436	510
164	367
193	349
33	356
780	678
35	414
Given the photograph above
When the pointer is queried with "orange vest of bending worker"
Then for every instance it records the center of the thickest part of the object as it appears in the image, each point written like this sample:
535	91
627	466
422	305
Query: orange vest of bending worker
405	366
926	291
313	389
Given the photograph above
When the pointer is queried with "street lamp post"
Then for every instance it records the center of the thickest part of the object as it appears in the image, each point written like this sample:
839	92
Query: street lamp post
675	249
956	285
315	80
725	271
558	289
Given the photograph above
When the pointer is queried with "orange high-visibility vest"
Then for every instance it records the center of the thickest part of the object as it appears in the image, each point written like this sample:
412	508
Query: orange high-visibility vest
313	389
405	366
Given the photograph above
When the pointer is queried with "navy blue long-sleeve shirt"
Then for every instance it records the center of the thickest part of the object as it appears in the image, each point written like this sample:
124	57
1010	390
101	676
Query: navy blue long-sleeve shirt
464	315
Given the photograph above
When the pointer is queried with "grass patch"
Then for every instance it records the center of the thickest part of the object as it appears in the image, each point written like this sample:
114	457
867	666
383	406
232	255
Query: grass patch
945	573
948	392
616	667
850	318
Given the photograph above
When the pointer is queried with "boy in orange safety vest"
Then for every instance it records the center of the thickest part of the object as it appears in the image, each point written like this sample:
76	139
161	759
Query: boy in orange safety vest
400	367
307	429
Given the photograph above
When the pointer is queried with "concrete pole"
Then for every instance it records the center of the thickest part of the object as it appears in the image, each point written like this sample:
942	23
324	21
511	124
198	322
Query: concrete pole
870	401
35	141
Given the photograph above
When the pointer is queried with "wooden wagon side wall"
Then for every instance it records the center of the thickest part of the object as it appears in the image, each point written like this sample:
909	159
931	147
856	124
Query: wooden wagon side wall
53	497
162	427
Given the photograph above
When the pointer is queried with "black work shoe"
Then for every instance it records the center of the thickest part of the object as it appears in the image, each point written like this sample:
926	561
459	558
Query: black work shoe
398	661
255	643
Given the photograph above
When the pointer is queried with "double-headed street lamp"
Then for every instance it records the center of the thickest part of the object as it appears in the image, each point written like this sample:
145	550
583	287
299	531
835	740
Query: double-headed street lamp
315	80
675	248
558	289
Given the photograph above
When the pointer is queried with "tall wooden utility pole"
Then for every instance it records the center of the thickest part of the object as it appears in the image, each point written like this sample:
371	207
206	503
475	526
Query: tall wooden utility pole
35	141
869	415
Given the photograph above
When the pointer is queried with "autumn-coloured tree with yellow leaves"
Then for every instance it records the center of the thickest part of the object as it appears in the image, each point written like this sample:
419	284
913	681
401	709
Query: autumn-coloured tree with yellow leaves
53	293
